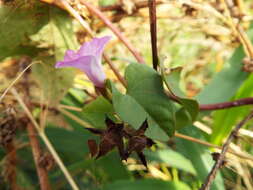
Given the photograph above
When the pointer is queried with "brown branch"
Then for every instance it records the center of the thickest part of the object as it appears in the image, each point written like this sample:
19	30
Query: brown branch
45	139
37	153
113	68
34	142
119	8
153	33
11	164
226	105
219	162
115	30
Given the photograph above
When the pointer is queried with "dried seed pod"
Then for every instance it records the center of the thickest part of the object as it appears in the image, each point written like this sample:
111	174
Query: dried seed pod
46	161
138	142
93	147
8	126
109	138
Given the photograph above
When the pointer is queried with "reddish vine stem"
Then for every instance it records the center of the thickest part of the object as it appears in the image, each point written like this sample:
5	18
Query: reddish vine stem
153	33
226	105
221	105
34	142
37	153
219	162
112	67
115	30
12	161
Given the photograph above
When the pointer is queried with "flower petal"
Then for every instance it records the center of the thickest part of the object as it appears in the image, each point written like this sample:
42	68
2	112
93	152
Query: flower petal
94	47
89	65
70	55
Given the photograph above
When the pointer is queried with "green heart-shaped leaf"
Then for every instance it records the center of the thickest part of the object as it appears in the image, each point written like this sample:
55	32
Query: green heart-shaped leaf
145	86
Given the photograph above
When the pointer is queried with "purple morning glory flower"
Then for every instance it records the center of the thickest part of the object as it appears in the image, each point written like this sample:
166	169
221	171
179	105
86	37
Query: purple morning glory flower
88	59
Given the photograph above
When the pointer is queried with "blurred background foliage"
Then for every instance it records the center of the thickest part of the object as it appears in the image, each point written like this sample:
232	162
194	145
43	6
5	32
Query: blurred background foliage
191	35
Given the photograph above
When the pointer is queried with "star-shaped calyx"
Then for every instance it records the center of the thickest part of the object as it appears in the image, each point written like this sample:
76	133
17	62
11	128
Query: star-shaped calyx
110	138
138	142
